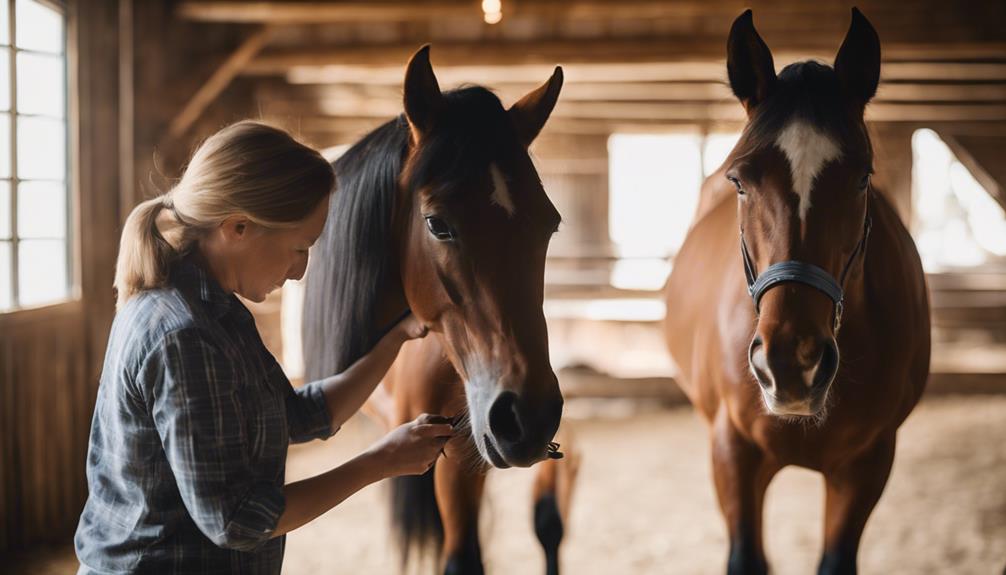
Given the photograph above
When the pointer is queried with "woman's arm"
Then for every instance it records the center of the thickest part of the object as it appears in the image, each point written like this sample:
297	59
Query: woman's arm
345	392
410	449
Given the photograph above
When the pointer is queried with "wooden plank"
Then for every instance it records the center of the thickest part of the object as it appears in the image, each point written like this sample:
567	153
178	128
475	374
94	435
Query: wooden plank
217	82
659	111
268	92
770	13
926	62
492	75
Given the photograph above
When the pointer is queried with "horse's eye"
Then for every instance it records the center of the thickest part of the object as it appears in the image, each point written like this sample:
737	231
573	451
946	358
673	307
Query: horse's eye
737	184
439	229
864	183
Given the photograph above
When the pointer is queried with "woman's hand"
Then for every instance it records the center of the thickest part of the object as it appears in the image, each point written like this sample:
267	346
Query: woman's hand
409	328
412	448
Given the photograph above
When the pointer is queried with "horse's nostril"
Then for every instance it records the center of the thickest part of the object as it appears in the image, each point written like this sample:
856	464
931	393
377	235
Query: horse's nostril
503	419
759	362
828	366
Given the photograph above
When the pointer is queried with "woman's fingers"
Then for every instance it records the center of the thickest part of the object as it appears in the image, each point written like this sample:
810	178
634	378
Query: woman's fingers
412	328
428	418
439	430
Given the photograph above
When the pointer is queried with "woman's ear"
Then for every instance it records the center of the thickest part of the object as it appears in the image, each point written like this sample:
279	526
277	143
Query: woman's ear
236	228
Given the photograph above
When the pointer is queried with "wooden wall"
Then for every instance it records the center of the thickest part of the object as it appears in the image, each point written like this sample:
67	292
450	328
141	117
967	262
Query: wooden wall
50	357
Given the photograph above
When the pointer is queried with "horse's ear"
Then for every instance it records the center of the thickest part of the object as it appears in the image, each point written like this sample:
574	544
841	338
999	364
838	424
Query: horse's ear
532	111
858	62
749	63
423	100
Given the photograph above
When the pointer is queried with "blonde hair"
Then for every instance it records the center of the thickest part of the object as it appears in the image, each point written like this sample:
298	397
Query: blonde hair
248	169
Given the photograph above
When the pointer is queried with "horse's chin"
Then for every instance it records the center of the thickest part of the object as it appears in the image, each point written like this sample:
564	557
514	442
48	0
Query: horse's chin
810	411
491	454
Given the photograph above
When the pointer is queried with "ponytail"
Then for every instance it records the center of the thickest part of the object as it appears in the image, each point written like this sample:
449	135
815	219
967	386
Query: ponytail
144	254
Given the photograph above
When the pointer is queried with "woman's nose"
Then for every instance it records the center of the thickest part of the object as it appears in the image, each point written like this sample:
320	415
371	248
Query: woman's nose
297	271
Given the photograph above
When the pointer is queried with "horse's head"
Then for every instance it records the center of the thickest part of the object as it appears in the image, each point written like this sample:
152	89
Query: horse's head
473	254
802	172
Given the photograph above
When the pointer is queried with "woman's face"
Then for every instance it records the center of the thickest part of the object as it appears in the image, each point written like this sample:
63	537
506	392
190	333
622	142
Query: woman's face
258	260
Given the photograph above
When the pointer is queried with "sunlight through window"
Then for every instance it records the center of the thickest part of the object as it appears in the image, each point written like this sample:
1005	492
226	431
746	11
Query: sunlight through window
654	187
956	222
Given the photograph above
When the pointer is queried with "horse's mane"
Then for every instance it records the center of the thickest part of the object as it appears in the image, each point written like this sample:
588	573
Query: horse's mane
350	262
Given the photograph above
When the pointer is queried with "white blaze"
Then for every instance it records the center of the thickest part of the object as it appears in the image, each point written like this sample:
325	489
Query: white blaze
501	193
808	151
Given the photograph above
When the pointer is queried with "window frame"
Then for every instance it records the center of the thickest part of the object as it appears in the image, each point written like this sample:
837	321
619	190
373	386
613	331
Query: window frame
69	184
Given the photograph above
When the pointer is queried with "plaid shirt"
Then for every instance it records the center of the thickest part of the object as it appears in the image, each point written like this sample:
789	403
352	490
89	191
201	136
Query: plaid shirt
189	439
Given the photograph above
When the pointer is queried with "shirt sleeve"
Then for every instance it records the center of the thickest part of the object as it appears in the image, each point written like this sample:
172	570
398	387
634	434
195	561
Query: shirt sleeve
307	413
197	410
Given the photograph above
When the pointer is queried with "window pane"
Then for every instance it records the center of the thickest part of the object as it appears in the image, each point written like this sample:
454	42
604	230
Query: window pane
4	79
5	271
41	149
38	27
4	26
41	271
41	210
654	181
40	84
4	210
4	145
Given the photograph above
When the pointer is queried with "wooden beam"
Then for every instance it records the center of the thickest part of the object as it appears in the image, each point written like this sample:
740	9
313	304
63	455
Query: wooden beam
602	73
901	62
493	75
771	14
320	12
268	92
644	112
217	82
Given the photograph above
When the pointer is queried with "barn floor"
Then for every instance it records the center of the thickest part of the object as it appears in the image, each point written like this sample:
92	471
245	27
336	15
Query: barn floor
645	503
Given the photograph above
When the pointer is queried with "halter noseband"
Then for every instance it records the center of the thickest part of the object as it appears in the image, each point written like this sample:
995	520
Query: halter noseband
805	273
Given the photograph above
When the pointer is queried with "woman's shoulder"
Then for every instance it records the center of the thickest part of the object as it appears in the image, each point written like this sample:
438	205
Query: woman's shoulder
150	316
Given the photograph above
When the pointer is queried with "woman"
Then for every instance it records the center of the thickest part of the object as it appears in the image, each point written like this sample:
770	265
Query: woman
193	418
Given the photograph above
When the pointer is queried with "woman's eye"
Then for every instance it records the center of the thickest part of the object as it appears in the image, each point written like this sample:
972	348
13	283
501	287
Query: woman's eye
439	229
737	184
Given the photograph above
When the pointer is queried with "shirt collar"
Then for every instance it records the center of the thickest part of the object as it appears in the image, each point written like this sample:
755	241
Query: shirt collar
191	277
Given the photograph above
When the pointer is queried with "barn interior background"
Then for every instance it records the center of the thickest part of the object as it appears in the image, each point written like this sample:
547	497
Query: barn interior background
101	102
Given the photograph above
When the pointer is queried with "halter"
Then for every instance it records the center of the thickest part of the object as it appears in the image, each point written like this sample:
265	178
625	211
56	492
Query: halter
805	273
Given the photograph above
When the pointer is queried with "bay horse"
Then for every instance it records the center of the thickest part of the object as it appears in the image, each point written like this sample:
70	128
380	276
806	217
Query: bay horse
441	211
798	312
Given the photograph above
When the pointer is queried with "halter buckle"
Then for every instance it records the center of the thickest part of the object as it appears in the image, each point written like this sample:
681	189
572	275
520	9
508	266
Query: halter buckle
839	308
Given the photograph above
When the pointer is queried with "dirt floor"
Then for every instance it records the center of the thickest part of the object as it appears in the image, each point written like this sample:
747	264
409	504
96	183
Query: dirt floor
645	504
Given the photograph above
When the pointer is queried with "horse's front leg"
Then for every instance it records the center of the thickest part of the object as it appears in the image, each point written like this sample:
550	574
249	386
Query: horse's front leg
852	491
459	488
741	474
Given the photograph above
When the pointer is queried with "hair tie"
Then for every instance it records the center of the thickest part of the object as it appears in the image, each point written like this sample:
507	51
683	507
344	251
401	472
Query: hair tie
168	203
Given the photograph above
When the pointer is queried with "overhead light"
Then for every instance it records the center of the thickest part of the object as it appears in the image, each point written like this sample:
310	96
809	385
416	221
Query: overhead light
492	11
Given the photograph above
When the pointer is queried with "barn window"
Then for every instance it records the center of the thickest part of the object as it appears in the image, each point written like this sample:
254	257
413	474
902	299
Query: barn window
35	262
956	223
654	191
